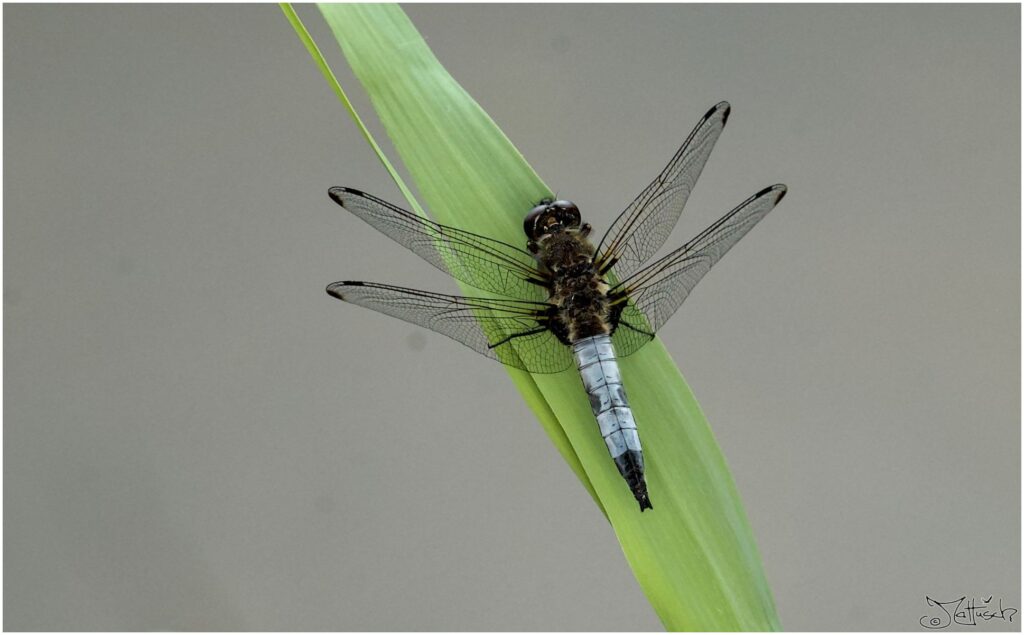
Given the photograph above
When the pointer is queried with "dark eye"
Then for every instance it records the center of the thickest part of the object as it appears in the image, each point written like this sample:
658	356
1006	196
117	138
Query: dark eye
568	213
530	222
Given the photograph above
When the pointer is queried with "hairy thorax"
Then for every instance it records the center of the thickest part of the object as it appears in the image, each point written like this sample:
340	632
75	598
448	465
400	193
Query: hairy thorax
578	291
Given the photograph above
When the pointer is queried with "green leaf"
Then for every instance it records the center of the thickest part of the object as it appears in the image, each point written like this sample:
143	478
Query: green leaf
693	554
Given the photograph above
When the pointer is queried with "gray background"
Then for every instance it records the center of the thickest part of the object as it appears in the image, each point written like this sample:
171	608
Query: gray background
197	437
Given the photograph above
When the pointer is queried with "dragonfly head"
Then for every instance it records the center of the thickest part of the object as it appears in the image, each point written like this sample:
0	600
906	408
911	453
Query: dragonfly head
550	217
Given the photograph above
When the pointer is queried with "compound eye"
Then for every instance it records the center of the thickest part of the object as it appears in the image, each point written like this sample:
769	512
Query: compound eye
530	222
568	213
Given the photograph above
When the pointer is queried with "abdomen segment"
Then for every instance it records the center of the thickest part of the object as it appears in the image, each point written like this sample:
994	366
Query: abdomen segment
595	359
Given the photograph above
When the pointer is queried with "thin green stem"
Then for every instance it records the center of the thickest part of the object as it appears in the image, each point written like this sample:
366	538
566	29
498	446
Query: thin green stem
332	81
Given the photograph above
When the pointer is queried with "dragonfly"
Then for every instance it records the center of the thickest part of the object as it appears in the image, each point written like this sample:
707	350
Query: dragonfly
561	300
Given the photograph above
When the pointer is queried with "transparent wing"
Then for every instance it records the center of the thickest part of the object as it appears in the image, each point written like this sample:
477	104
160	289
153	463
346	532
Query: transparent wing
482	262
649	297
645	225
511	331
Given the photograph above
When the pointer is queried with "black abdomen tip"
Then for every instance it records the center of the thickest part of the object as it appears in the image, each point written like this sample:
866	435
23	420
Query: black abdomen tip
631	467
645	502
639	489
